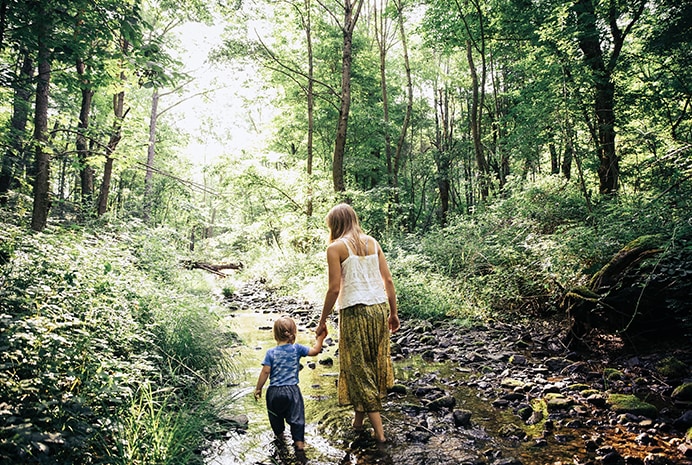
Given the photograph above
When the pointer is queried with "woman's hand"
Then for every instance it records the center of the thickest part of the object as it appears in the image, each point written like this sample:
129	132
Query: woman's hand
321	328
394	323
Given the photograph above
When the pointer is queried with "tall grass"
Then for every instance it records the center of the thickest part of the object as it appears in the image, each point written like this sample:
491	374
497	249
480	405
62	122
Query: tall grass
107	347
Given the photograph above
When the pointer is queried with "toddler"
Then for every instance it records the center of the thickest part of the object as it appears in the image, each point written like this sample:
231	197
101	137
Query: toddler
281	365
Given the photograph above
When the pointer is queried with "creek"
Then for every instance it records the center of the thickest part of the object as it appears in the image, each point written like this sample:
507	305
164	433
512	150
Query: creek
443	412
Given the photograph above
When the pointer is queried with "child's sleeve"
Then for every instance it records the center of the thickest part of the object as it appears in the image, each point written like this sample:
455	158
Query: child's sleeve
302	350
267	359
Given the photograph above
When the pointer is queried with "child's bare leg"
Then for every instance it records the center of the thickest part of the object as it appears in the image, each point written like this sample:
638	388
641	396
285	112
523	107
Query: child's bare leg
376	422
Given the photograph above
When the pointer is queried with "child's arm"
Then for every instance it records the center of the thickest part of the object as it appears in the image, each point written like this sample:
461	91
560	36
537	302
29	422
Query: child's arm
264	374
317	348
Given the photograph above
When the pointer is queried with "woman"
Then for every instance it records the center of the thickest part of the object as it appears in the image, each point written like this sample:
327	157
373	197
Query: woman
361	286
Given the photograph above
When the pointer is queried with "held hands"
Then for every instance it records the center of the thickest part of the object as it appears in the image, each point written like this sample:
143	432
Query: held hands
321	330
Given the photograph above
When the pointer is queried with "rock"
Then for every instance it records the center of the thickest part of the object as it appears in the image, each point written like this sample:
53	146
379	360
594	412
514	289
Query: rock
536	417
557	401
517	360
237	422
418	436
462	418
398	389
682	393
628	403
685	449
684	421
607	455
656	459
511	383
556	364
444	402
671	367
597	400
326	361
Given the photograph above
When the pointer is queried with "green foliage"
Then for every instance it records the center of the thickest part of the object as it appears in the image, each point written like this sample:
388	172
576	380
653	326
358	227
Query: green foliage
85	323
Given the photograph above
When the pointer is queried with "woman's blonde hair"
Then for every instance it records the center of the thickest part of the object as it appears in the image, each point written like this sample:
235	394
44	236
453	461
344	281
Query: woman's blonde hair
285	330
342	219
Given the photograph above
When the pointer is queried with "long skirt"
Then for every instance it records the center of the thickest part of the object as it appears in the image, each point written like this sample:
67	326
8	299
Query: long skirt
364	356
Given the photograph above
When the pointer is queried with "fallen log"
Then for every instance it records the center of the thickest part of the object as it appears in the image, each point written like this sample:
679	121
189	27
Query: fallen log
215	268
616	299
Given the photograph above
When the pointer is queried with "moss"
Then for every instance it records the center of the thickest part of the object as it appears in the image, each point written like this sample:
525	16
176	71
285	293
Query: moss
683	392
611	374
579	387
671	367
627	403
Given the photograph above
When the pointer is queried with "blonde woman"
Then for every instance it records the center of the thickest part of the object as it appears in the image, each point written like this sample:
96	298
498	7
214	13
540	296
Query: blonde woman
361	287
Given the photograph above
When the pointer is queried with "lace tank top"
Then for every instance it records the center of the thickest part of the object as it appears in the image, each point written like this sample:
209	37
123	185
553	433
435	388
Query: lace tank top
361	281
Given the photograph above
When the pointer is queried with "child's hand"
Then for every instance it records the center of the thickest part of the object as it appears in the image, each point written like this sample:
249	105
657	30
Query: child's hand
258	394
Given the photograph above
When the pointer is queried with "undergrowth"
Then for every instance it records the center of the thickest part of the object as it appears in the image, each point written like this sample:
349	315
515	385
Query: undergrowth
108	351
514	259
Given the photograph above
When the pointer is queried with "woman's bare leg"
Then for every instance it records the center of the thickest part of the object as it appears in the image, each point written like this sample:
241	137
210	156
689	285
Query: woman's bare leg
376	422
358	420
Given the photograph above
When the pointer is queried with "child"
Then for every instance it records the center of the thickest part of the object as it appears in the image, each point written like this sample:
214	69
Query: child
281	365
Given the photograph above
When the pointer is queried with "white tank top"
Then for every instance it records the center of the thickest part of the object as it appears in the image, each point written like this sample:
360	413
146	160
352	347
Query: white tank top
361	281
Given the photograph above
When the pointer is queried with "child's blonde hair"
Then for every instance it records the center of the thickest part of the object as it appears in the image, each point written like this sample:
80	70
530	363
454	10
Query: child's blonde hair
285	330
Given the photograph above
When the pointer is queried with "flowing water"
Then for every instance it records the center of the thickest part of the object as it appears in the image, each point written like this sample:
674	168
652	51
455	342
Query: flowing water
329	438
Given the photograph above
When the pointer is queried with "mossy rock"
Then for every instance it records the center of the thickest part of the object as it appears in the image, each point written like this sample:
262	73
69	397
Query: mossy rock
628	403
557	401
590	392
511	383
579	387
671	367
611	374
683	393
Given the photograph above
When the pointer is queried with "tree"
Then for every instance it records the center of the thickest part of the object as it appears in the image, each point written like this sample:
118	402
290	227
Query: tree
601	58
351	12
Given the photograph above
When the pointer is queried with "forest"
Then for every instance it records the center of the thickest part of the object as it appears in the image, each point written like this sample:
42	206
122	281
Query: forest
519	161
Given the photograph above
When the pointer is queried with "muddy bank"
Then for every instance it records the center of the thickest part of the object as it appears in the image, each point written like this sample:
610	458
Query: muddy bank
498	394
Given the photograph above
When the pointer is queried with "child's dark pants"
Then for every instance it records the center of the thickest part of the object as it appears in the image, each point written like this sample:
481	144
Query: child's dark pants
286	403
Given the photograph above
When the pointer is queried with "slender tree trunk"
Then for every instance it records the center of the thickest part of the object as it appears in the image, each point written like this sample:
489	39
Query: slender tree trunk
41	206
481	161
151	151
86	172
15	157
116	135
311	105
409	106
351	12
443	142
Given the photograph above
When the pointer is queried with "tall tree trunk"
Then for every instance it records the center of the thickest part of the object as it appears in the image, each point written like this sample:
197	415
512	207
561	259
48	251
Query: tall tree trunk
15	157
382	39
41	206
351	12
602	68
86	172
409	105
311	105
476	108
151	151
116	134
444	124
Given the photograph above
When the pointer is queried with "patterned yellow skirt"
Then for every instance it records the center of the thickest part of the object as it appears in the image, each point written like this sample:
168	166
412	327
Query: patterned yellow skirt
364	357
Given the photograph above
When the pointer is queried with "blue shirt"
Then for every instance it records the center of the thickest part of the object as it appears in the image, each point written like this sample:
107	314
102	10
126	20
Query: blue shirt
284	361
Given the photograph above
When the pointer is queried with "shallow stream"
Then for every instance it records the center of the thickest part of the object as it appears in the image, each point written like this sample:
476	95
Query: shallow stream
329	439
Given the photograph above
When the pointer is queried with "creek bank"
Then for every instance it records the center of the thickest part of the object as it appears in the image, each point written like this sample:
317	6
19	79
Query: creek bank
512	394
